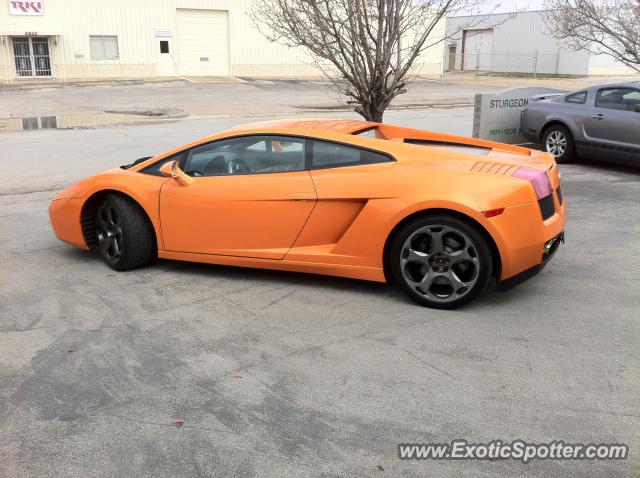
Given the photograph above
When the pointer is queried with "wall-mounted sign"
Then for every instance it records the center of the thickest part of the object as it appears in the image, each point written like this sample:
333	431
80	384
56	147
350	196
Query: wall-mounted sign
26	7
163	32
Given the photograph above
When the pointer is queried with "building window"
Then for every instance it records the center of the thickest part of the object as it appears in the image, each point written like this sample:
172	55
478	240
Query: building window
104	47
164	46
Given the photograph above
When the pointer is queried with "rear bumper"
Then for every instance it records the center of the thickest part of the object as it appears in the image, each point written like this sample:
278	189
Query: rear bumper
551	246
521	234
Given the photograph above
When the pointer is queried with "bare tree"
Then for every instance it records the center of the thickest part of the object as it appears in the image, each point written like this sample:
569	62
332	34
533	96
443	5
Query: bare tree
598	26
367	48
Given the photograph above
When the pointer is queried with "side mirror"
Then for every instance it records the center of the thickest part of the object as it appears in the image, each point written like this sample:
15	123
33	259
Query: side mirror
172	170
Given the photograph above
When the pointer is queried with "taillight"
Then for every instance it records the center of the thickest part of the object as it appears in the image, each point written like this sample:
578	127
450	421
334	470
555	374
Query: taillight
538	179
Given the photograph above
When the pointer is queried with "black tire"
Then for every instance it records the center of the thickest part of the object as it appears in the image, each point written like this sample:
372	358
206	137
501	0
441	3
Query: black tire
124	236
466	278
553	137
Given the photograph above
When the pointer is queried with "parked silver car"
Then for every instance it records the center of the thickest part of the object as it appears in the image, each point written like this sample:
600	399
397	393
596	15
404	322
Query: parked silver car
600	122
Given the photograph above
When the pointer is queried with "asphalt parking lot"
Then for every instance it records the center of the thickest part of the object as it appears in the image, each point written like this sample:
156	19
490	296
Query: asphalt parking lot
279	374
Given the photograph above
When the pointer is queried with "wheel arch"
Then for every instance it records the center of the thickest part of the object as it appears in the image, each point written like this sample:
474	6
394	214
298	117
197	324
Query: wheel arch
493	247
88	210
552	122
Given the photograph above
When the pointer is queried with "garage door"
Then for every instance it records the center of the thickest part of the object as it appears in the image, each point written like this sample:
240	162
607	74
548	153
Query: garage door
478	47
202	38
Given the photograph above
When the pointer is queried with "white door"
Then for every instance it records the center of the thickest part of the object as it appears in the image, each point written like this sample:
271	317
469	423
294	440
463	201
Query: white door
478	47
166	63
202	38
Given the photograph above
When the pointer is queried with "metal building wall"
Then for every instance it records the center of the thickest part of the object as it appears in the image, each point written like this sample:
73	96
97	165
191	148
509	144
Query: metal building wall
69	23
521	44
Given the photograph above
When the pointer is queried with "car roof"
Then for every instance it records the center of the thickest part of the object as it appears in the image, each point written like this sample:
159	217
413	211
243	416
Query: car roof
336	126
619	84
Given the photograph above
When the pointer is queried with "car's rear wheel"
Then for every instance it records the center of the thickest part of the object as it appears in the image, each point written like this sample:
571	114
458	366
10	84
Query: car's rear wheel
558	141
440	261
124	235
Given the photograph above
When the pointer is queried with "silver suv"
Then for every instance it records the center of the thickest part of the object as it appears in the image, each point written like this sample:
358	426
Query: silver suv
600	122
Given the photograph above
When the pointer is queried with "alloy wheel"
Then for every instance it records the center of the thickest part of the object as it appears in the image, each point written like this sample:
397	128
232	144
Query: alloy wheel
109	232
556	143
440	262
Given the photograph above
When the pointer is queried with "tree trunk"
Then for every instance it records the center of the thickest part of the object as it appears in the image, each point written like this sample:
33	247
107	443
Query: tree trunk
377	117
371	111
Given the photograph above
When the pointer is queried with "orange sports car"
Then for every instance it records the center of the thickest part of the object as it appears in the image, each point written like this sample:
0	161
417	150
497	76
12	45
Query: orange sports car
442	216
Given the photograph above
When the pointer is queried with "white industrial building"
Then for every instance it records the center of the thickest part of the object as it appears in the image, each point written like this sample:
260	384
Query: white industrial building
518	43
64	40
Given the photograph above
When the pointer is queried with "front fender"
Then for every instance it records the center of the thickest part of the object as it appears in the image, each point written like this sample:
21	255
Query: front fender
67	208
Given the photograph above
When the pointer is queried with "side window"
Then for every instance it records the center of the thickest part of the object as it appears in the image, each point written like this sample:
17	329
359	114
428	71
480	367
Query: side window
246	155
618	99
631	100
333	155
577	98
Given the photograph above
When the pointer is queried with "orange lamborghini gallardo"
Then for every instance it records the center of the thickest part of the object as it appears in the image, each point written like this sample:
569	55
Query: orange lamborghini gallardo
442	216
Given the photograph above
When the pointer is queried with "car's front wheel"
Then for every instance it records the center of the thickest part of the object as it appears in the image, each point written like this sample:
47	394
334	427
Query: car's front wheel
440	261
558	141
124	236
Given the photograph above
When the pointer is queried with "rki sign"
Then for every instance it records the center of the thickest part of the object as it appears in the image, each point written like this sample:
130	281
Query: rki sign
26	7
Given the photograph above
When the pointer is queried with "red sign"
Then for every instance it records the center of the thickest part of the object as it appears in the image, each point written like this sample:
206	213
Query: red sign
26	7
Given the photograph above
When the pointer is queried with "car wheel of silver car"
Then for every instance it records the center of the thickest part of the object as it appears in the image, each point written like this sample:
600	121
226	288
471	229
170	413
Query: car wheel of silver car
440	261
558	141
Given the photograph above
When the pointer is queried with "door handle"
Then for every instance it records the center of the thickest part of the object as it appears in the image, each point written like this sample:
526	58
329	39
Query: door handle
599	116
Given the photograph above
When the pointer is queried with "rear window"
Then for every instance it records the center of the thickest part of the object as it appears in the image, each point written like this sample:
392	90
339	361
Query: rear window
373	132
577	98
333	155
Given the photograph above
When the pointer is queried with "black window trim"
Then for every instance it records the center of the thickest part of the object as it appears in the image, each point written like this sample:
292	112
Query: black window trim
308	160
600	90
437	142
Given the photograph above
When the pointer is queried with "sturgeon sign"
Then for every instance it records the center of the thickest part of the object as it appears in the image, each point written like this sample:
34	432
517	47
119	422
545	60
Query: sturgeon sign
496	116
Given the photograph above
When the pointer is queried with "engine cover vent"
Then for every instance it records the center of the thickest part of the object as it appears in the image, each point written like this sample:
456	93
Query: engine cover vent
488	167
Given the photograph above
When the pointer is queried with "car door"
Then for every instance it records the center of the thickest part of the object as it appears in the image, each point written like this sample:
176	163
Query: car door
613	127
250	197
348	182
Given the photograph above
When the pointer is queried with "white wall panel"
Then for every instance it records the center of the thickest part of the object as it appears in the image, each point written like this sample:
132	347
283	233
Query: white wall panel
69	24
521	44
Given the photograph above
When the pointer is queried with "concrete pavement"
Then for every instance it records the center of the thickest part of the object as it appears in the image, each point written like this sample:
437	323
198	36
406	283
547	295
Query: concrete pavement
279	374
